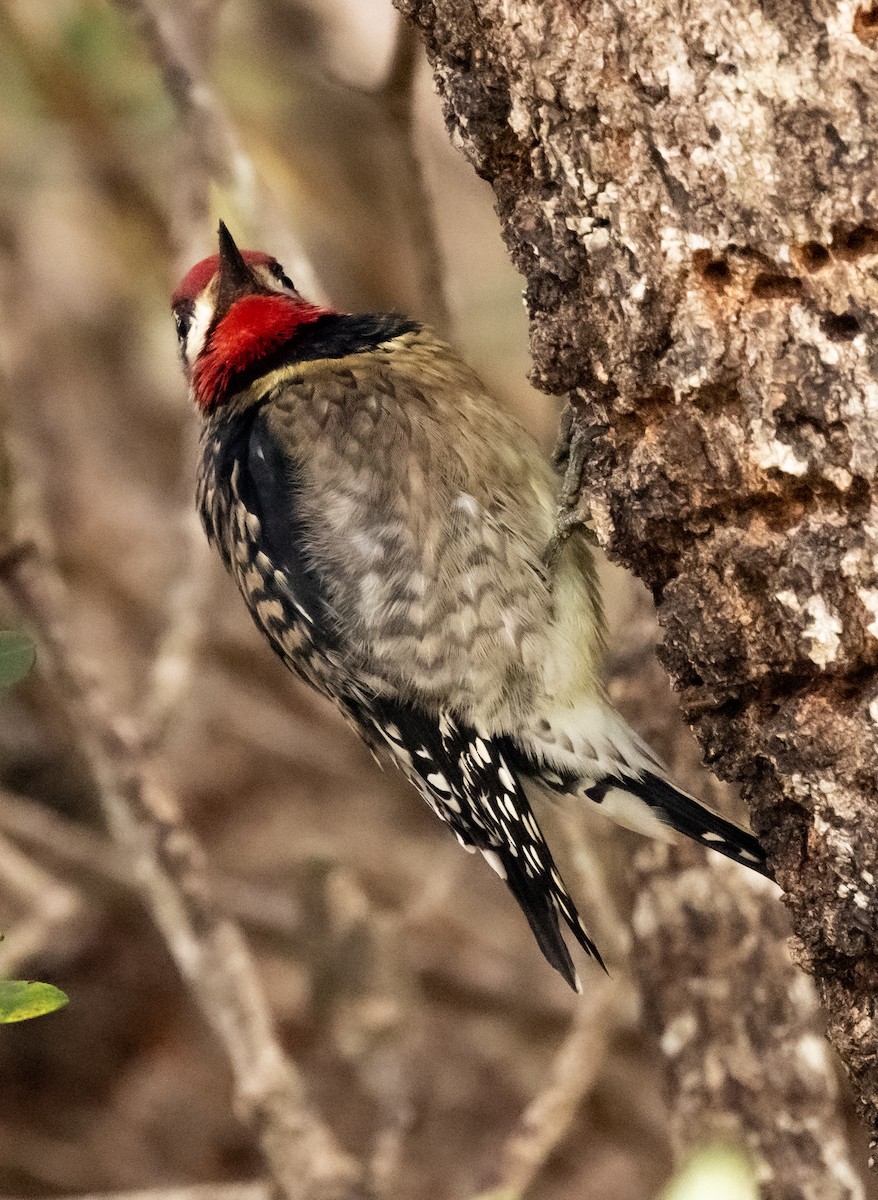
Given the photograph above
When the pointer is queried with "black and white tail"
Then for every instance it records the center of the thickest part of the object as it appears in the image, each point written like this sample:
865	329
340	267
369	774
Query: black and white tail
468	781
472	781
590	752
679	811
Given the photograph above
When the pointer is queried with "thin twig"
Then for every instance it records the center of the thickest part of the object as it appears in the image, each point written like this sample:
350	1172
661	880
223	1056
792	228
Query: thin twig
173	662
373	1015
209	950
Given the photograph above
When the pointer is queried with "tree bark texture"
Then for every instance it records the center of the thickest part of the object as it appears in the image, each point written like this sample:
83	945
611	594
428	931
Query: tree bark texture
691	193
738	1024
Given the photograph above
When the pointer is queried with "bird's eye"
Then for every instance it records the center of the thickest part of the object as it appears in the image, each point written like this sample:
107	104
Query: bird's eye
182	319
278	272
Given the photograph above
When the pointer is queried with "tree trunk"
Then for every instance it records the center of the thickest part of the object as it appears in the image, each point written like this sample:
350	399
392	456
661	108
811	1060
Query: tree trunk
691	194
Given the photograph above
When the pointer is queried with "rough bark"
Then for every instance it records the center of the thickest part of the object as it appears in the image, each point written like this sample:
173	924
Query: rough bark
691	194
738	1024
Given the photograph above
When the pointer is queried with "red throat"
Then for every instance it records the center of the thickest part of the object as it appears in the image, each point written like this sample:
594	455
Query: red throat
253	328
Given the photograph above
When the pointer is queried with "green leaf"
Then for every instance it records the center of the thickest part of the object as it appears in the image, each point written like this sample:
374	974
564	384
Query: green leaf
17	655
20	1000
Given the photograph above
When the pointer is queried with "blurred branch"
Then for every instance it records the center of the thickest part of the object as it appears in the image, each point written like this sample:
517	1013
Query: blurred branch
180	61
198	21
206	1191
396	98
189	211
367	990
7	521
174	658
181	45
395	101
71	98
54	909
548	1118
181	227
607	1005
210	951
80	850
268	911
215	138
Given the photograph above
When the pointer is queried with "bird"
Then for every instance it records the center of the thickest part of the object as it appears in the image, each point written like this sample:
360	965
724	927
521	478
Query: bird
389	526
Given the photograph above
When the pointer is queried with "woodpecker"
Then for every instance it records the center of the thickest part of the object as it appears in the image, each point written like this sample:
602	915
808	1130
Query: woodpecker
388	527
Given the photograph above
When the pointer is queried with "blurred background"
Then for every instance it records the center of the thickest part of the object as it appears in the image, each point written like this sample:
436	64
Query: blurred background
403	979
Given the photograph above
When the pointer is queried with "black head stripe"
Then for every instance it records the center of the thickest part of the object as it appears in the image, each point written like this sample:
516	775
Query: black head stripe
183	313
280	275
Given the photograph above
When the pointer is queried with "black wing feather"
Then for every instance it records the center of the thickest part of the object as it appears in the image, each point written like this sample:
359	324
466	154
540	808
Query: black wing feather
467	781
269	486
243	459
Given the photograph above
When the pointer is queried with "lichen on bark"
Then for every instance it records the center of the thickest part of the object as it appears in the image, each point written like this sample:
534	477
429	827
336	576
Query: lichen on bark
691	194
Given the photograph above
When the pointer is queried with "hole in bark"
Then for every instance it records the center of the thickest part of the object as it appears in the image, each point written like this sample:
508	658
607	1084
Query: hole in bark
776	287
841	327
866	24
854	242
647	409
718	396
714	271
814	256
717	271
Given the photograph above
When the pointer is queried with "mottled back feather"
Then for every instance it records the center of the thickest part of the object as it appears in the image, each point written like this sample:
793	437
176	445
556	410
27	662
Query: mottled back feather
387	525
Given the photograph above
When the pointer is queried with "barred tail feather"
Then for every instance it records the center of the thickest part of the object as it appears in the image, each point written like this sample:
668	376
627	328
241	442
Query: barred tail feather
542	917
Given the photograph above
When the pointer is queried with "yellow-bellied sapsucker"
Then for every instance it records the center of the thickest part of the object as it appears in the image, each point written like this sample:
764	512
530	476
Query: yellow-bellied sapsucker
387	525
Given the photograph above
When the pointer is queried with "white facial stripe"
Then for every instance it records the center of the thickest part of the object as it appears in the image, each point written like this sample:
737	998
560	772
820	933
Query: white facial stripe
201	319
204	309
